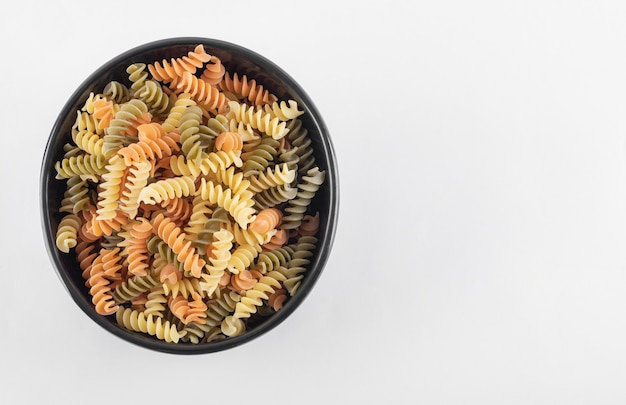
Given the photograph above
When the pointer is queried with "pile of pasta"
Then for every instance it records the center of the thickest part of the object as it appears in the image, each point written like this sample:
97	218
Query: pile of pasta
188	199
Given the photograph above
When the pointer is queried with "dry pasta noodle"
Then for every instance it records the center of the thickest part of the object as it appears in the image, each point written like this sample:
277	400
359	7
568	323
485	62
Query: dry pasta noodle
187	206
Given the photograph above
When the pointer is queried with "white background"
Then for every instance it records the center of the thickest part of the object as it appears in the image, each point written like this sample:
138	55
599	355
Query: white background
479	256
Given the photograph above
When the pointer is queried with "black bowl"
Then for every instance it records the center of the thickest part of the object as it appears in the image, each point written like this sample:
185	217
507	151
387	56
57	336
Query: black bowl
236	59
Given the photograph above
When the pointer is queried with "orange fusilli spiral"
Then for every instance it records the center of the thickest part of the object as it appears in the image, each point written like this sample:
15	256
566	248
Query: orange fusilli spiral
248	89
175	238
167	72
202	92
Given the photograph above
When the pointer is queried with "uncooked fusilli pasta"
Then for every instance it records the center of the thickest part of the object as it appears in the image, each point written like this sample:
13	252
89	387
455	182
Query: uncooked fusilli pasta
187	203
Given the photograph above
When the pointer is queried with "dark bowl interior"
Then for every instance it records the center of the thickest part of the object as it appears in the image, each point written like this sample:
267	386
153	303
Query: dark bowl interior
236	59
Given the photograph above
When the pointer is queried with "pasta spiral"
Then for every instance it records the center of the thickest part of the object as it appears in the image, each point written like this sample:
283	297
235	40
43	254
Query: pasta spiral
238	205
138	76
155	98
103	269
140	322
191	143
253	298
232	326
284	111
274	196
218	258
188	311
155	304
172	121
116	92
271	177
137	248
221	307
248	89
154	193
257	119
231	179
86	122
80	165
153	143
213	71
258	160
176	240
242	258
136	180
299	138
88	141
133	287
306	191
296	267
202	92
167	72
76	196
111	185
121	124
272	260
67	232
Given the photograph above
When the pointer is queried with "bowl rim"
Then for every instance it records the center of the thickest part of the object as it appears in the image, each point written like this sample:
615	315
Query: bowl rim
326	239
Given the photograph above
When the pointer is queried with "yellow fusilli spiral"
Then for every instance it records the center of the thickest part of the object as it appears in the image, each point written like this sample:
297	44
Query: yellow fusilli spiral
155	305
284	111
88	141
220	160
110	188
138	75
232	326
200	213
242	258
240	206
257	119
248	236
87	122
191	144
67	232
231	179
253	298
272	177
136	180
140	322
172	121
218	260
155	193
80	165
184	287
